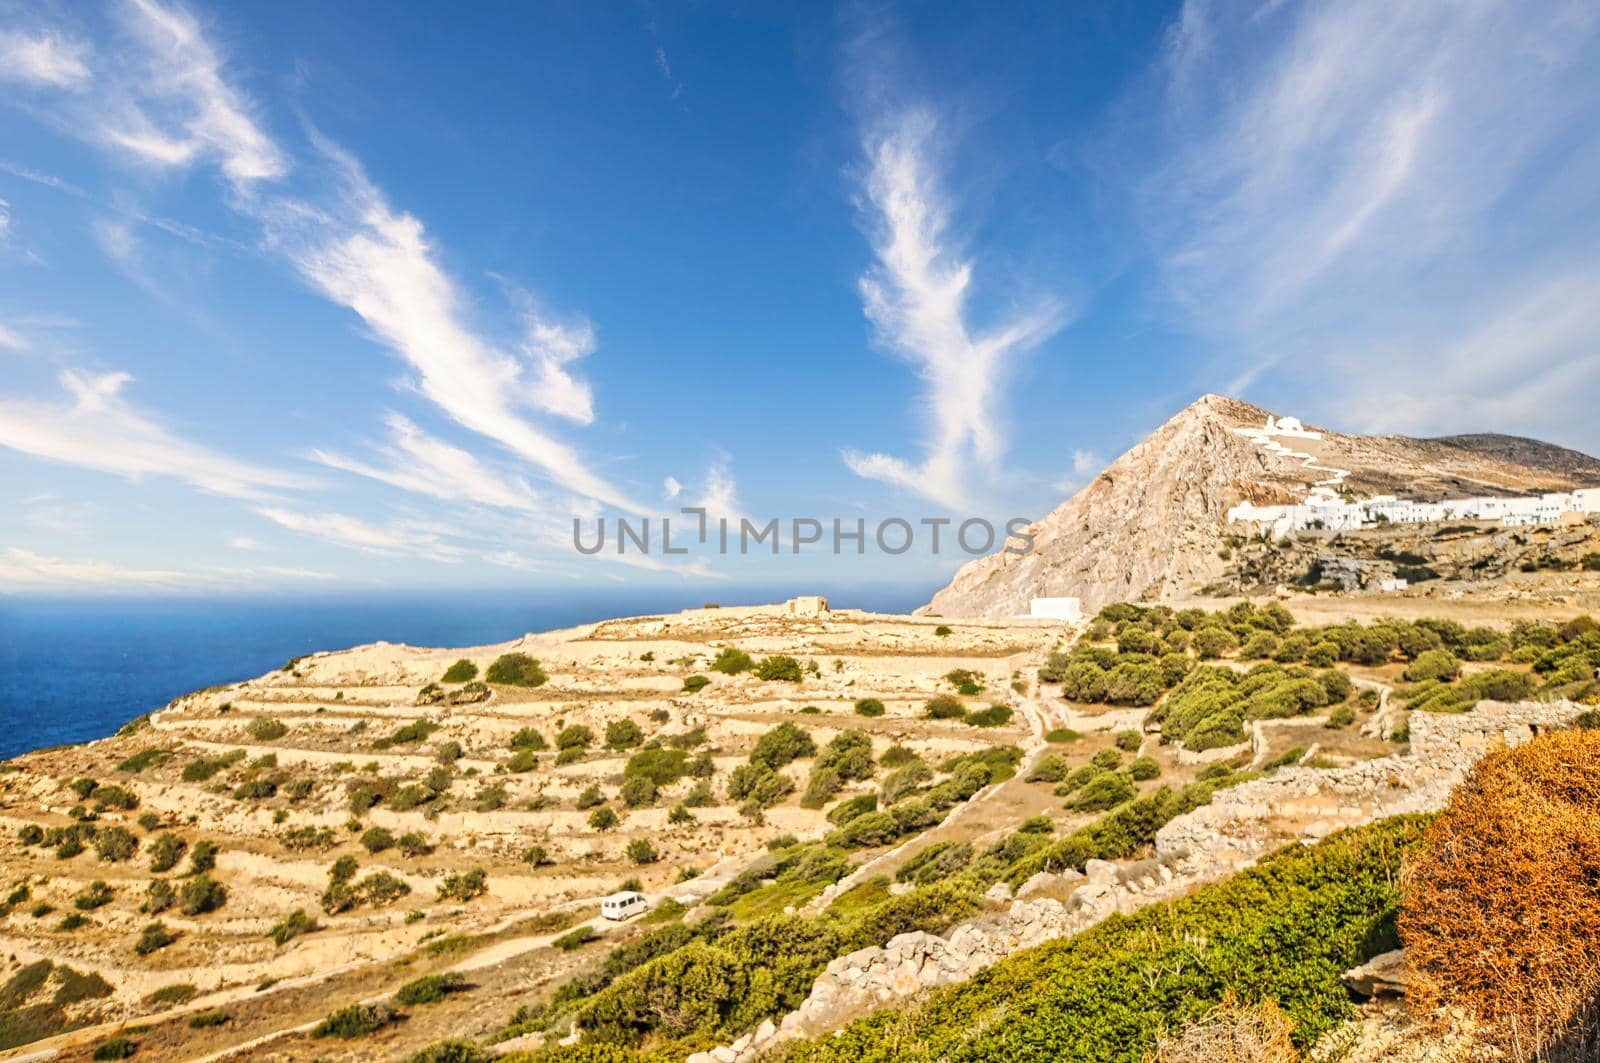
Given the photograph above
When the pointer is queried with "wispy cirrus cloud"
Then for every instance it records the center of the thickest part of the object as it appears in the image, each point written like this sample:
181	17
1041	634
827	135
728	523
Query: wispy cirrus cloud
1378	188
45	59
378	262
917	297
423	464
356	533
25	570
176	107
97	428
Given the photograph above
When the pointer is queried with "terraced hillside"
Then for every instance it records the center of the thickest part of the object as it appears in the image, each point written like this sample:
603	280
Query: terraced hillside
273	846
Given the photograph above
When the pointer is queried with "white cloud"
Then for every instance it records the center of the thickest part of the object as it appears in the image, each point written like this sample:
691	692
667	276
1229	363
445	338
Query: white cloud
1086	465
671	487
23	569
179	107
720	494
244	542
11	341
97	429
551	348
916	297
357	534
1377	186
48	59
5	222
423	464
380	265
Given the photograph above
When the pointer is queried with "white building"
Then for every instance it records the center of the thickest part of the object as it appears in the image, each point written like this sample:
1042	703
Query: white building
1321	512
1068	610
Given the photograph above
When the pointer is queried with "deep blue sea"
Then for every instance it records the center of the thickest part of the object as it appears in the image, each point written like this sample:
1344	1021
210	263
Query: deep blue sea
72	669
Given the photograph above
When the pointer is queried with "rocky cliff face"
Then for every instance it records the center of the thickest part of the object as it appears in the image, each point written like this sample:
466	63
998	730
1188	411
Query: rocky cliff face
1152	525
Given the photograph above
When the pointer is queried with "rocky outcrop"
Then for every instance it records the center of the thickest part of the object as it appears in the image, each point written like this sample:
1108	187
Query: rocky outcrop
1153	525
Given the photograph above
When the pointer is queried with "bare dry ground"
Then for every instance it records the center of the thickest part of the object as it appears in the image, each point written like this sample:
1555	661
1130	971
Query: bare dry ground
351	756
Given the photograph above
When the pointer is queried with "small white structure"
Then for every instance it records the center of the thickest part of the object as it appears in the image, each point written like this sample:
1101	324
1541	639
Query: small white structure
807	605
1393	583
1069	610
623	905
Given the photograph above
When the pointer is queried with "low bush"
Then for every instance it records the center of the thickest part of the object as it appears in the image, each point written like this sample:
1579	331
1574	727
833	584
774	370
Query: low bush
640	851
782	745
430	989
623	734
154	936
357	1020
869	707
732	661
116	1048
266	729
460	672
208	1019
944	707
516	670
1062	736
695	683
780	668
200	895
993	716
573	940
296	923
115	844
464	886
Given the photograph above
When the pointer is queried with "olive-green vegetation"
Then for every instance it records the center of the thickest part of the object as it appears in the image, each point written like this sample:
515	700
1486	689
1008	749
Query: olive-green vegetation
460	672
516	670
1283	930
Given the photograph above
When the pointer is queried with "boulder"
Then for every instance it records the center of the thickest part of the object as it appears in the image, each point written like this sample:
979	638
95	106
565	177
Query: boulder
1382	976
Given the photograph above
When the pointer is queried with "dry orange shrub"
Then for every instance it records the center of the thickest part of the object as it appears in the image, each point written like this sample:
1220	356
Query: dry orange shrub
1501	911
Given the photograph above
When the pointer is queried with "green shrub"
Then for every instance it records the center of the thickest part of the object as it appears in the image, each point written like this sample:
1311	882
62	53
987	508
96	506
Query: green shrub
208	1019
1129	741
1341	716
464	886
159	896
1143	769
295	924
780	668
1434	664
115	844
663	767
377	839
623	734
516	670
412	733
943	631
460	672
1283	930
574	736
201	894
604	818
357	1020
1106	790
1062	736
430	989
638	792
869	707
203	857
528	738
695	683
640	851
732	661
255	790
116	1048
782	745
96	894
145	758
1050	768
266	729
573	940
759	785
944	707
154	936
993	716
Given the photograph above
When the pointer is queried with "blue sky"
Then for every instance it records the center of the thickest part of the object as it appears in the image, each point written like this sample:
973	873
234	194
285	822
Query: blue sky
378	295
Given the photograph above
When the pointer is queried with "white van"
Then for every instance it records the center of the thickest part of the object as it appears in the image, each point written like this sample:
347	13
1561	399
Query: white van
624	905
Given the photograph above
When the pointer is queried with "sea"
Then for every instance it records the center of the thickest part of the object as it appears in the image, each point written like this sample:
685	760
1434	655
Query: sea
74	669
